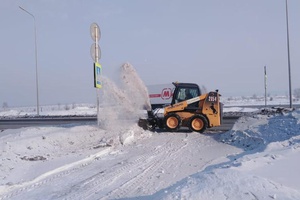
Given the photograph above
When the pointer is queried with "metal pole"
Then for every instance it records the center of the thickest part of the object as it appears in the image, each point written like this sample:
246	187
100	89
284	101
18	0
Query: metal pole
36	62
288	49
265	86
97	60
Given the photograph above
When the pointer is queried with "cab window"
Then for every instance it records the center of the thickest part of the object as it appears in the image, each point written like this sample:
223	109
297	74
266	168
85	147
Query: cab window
186	93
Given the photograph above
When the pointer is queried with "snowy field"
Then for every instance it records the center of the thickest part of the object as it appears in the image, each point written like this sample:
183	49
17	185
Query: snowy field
257	159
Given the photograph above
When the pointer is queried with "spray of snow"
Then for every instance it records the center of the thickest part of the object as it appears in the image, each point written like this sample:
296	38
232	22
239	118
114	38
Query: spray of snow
123	105
135	87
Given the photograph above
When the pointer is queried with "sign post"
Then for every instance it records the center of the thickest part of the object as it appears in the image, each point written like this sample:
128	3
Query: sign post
96	55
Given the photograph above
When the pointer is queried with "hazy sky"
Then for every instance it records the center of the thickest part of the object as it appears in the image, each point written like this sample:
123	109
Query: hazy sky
216	43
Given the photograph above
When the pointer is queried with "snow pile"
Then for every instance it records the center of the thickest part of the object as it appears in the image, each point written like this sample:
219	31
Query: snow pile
257	131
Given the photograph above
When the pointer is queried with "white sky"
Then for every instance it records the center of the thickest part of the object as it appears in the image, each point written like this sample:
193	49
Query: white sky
216	43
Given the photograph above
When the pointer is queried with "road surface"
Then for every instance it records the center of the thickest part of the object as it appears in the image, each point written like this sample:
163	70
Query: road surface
57	121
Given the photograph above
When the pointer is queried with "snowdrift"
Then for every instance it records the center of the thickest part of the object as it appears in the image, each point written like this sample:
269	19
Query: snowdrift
267	169
258	131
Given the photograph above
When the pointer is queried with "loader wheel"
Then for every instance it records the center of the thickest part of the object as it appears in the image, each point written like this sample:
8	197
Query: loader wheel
172	122
198	123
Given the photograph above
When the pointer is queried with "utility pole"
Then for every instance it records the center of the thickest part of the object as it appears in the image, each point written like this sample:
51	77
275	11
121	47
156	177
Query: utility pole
36	62
265	86
288	49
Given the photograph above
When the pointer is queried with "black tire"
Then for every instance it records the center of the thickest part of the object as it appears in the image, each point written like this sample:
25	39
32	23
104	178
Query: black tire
172	122
198	123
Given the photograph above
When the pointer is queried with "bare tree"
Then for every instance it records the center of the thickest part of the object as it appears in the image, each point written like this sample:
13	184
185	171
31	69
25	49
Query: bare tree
67	107
297	92
5	105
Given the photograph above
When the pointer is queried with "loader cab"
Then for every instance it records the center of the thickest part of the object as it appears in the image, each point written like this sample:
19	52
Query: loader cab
184	91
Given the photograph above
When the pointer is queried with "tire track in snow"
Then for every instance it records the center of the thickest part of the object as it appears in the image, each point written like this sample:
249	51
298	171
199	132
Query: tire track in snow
133	185
100	184
50	176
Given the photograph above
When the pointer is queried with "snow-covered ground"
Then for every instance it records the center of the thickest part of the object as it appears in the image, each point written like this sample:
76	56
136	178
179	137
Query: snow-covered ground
257	159
50	110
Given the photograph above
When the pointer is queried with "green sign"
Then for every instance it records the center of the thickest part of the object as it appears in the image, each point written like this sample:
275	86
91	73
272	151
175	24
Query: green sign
97	74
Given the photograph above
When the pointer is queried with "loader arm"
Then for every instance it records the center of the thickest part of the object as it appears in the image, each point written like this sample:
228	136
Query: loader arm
183	105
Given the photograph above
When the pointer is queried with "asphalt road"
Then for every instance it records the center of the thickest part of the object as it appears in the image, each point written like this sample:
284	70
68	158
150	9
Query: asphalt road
44	121
7	123
72	121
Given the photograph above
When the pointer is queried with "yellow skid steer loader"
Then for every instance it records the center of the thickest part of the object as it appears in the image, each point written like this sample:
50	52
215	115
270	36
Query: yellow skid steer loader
188	109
